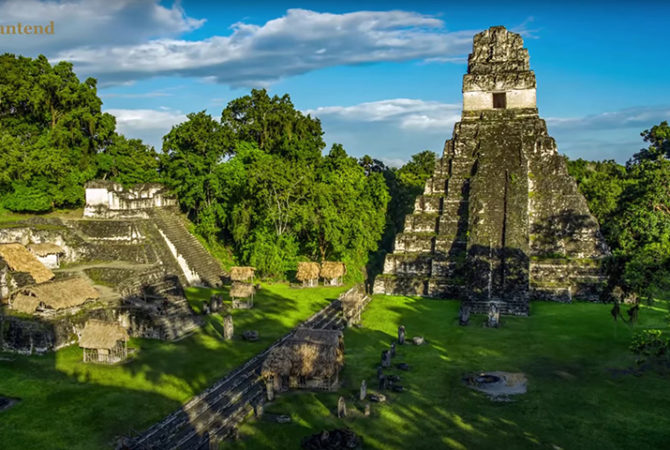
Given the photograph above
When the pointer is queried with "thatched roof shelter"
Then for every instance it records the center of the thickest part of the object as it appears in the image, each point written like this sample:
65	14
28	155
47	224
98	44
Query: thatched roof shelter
241	290
19	259
99	334
308	353
307	271
45	249
332	269
242	273
54	295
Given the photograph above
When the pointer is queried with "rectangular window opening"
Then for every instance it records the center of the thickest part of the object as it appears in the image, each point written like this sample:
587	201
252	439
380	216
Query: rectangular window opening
499	100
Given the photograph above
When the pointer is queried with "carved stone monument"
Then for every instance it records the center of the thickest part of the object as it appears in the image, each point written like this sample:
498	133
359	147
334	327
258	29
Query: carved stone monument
228	327
401	335
386	358
363	391
464	315
493	320
341	408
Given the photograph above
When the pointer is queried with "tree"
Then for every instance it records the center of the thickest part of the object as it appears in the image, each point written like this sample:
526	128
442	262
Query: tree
632	204
192	151
51	131
128	161
274	125
345	215
659	144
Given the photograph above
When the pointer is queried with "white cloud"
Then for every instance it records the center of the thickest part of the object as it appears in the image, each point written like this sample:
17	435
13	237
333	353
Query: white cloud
296	43
407	113
150	125
390	130
143	119
91	23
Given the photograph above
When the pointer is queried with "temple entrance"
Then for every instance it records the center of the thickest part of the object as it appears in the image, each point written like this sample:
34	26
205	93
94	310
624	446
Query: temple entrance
499	100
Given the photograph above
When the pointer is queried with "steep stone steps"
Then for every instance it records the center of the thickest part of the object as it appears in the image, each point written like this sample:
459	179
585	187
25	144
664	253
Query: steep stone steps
197	258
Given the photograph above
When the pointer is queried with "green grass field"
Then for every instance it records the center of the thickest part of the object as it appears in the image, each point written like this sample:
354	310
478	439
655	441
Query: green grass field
68	404
573	356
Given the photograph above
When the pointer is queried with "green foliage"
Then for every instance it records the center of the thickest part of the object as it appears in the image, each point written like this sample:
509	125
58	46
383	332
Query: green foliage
273	255
54	137
632	204
650	343
191	152
257	182
659	144
28	199
274	125
128	161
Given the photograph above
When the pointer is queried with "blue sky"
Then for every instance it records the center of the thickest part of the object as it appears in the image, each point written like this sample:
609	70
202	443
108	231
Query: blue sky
383	77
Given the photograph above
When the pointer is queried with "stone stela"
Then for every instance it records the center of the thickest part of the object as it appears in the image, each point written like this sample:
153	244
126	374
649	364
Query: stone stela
500	220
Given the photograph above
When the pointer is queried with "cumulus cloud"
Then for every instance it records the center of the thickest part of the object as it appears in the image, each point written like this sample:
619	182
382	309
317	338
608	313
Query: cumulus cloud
92	23
257	55
407	113
150	125
390	130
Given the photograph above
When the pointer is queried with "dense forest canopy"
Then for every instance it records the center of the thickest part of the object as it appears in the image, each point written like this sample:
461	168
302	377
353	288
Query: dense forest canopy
632	204
258	180
54	137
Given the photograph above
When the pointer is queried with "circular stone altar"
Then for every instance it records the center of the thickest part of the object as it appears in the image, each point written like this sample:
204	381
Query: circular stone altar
497	385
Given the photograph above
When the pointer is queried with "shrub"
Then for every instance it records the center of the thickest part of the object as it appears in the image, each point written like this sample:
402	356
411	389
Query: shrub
650	343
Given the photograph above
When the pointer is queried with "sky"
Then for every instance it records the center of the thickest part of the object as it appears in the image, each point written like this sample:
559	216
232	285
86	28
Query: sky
384	78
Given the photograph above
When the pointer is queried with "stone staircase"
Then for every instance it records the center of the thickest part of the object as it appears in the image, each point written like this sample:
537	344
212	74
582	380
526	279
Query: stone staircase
200	262
213	415
429	254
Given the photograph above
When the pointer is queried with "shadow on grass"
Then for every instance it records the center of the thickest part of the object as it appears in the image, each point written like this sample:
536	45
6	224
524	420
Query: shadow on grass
69	404
565	350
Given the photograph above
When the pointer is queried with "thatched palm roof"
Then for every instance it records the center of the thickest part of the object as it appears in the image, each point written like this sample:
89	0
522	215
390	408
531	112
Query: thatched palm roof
25	303
45	249
308	353
100	334
241	290
307	271
19	259
241	273
331	269
55	295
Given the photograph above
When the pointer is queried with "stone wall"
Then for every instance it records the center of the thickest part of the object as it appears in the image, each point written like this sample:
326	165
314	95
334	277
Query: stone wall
106	199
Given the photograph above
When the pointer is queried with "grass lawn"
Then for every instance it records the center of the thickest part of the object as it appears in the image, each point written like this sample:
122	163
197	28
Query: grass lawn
570	354
68	404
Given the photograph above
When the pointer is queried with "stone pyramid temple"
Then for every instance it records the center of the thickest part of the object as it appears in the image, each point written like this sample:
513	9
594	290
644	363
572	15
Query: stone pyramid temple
501	220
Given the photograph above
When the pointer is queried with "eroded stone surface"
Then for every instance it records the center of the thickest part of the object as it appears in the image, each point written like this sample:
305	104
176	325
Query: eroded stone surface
500	220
